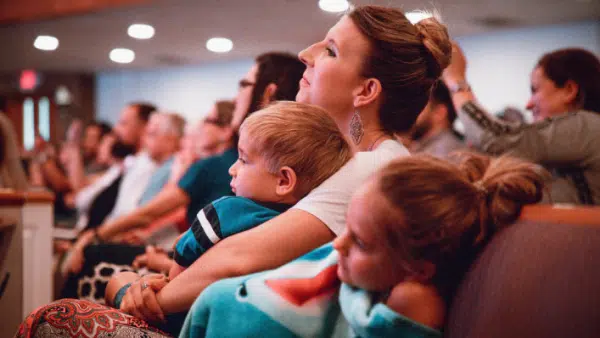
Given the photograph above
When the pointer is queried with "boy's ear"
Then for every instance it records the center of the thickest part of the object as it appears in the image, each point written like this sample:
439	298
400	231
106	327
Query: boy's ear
286	181
268	94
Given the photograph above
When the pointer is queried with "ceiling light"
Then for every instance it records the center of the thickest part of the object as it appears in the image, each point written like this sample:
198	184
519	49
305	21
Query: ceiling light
334	5
122	55
45	42
417	16
219	45
140	31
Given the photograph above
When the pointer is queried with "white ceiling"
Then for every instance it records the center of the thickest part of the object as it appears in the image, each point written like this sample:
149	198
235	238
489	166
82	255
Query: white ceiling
255	26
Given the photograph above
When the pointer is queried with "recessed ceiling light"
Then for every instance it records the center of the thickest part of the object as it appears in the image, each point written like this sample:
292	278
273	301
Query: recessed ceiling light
45	42
334	5
417	16
219	45
140	31
122	55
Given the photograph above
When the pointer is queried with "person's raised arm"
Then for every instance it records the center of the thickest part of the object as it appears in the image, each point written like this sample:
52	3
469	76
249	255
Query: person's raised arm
169	198
268	246
541	142
455	78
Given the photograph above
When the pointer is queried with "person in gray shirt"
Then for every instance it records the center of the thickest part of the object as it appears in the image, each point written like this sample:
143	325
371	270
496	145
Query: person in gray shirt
433	133
565	101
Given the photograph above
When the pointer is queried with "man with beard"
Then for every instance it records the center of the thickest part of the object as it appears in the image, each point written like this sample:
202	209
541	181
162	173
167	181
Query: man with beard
433	133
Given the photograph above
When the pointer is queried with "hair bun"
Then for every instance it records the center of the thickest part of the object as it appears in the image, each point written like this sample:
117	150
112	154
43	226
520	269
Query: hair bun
509	184
437	41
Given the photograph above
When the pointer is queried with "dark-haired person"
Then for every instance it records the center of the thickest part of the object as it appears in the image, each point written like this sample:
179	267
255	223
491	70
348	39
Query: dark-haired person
565	101
433	132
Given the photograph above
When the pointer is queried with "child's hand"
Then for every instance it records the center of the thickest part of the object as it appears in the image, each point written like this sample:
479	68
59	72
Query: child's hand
154	259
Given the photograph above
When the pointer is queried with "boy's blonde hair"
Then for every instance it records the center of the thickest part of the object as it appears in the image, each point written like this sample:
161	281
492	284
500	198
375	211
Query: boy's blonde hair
300	136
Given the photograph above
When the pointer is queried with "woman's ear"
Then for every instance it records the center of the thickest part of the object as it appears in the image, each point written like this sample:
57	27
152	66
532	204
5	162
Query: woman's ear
367	93
268	94
286	181
571	91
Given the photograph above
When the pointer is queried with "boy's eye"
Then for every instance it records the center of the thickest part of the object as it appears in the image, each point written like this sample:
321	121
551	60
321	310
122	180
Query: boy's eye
242	160
330	51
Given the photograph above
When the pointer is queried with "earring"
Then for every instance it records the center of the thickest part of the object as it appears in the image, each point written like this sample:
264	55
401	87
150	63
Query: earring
356	128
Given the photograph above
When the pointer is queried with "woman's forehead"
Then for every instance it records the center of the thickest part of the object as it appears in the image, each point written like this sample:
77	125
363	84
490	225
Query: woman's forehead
347	37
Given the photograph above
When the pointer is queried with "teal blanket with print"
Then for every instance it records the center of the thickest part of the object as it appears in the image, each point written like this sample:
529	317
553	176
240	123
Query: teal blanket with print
299	299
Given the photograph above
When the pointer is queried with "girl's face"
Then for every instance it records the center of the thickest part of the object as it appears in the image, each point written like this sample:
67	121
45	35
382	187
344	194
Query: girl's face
333	69
365	258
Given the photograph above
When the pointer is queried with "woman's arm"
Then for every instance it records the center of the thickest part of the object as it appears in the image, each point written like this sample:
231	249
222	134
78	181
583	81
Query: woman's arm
560	140
270	245
168	199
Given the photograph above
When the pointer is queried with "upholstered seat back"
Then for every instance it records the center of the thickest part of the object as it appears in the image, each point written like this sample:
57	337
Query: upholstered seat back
537	278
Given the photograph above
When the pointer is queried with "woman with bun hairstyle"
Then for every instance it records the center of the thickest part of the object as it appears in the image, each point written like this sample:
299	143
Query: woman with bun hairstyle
373	73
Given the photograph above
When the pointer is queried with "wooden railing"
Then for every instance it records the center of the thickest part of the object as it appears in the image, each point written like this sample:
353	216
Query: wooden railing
28	258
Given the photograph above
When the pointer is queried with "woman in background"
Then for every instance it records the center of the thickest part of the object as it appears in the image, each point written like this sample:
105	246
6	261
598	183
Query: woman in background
565	101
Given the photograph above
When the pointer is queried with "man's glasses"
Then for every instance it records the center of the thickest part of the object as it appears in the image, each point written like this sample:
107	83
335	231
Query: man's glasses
245	83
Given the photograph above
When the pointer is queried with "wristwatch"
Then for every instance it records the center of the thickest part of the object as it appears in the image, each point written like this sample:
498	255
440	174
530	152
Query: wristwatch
459	86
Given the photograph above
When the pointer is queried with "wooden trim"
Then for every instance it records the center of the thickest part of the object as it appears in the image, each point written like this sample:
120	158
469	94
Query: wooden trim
11	198
39	197
576	215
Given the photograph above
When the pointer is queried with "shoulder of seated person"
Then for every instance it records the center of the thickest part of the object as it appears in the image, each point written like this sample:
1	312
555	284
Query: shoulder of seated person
418	302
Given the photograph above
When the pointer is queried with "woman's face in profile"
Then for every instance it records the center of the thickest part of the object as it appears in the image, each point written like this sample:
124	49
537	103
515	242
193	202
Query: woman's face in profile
333	69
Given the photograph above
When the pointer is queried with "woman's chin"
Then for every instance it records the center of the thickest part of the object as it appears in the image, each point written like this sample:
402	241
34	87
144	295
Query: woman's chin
302	96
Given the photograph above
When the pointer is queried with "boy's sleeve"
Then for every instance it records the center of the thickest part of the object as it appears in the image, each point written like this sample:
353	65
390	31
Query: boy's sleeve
186	249
220	219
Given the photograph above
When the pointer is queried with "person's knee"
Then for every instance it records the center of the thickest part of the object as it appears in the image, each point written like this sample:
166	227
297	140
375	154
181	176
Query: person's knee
116	282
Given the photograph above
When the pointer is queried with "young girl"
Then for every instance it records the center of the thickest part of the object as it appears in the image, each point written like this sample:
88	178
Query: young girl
412	231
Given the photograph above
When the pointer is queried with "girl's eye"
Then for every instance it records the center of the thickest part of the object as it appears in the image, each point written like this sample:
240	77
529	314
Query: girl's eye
330	51
358	242
242	160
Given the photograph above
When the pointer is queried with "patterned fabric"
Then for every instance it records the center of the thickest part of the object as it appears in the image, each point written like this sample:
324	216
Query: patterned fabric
295	300
102	261
83	319
299	299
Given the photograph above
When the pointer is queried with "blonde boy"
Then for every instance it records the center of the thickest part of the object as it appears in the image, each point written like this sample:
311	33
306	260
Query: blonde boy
285	150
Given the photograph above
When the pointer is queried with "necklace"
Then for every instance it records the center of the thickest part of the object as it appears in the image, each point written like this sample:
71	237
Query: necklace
377	139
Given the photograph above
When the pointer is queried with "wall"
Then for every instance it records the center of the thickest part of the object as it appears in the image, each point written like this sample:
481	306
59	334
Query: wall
189	90
499	64
499	68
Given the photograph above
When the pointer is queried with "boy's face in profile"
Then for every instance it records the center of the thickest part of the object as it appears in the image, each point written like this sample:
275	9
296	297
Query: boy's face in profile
250	176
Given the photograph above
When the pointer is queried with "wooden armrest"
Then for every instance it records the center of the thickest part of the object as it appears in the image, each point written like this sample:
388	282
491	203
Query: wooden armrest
564	214
10	197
